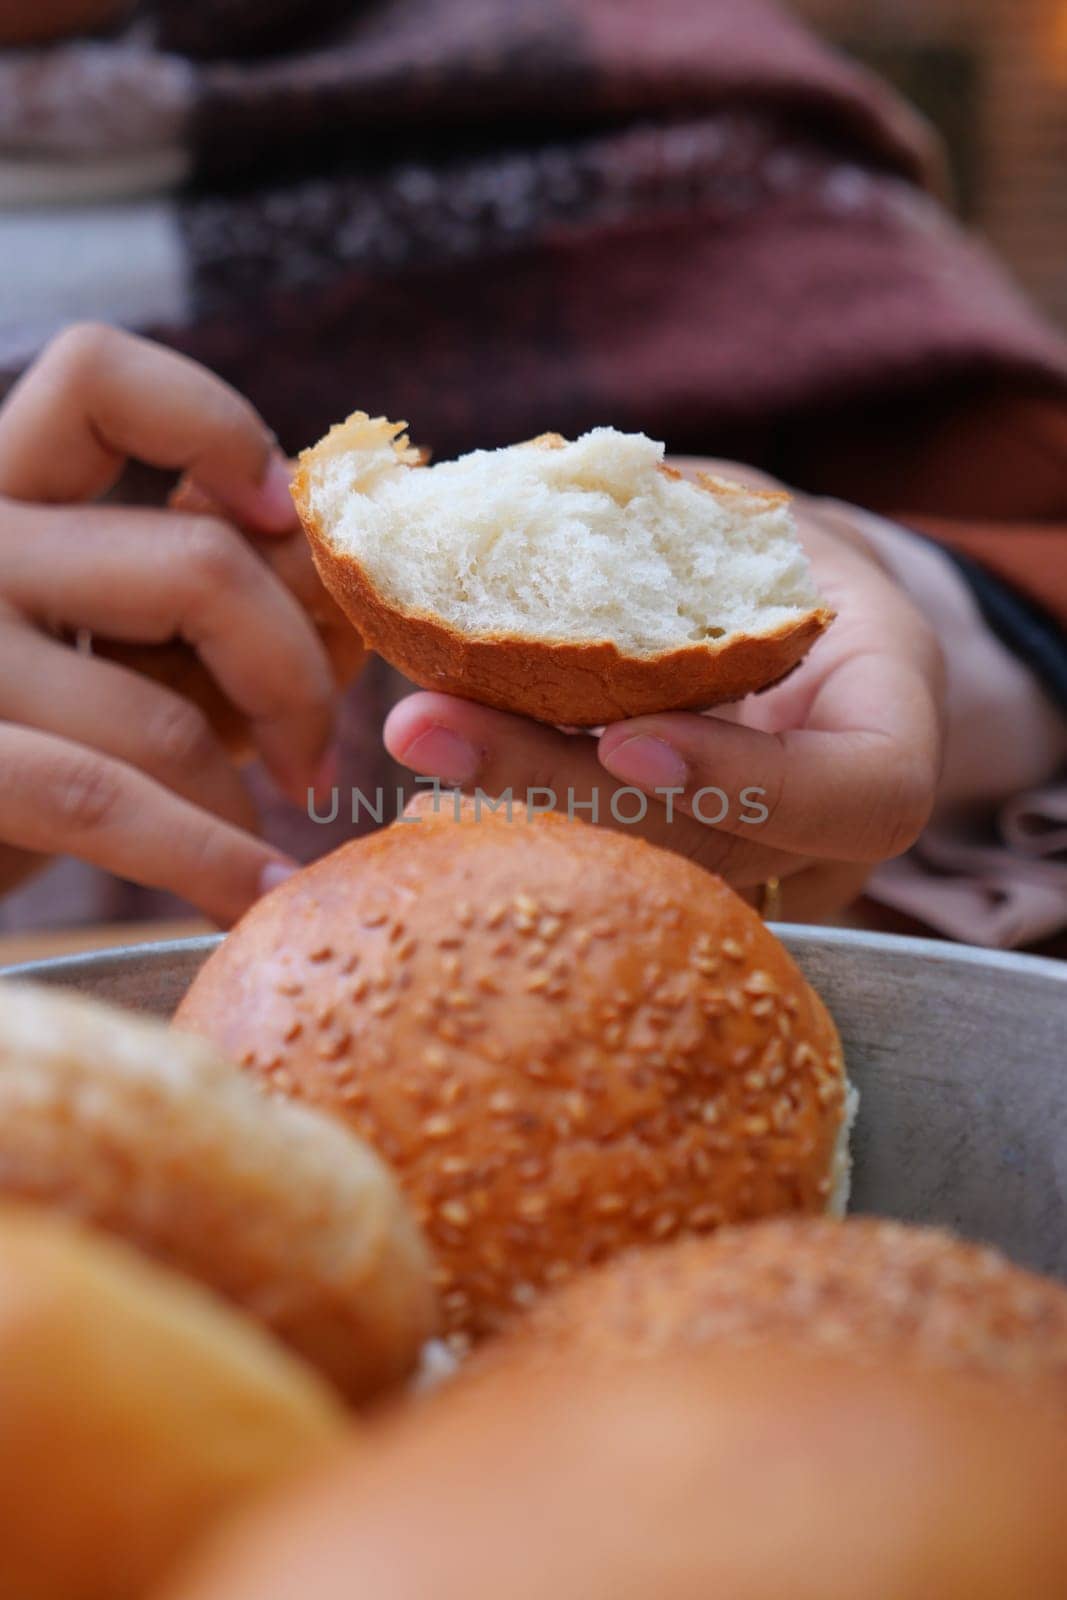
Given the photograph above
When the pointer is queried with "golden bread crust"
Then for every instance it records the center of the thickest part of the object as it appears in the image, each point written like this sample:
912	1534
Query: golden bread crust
864	1290
723	1475
138	1411
564	1040
151	1136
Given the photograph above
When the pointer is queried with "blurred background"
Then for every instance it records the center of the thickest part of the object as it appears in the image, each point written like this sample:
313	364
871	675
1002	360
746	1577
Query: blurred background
991	75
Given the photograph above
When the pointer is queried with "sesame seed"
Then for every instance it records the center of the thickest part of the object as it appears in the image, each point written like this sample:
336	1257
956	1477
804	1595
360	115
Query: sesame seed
458	1000
549	928
803	1056
455	1213
732	950
374	919
321	952
450	966
664	1224
756	1127
464	913
487	983
455	1166
705	1216
359	988
325	1017
501	1103
406	949
382	1005
438	1127
350	963
760	982
293	1031
496	914
707	966
523	1294
532	1207
609	1205
754	1081
289	986
333	1049
709	1111
536	981
763	1007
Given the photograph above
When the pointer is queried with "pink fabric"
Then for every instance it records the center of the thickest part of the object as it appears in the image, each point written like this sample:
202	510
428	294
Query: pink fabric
992	867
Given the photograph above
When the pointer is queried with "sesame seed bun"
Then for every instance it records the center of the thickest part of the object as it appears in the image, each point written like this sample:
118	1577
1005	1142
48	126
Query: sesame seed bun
564	1041
137	1411
577	583
865	1289
177	666
750	1479
149	1135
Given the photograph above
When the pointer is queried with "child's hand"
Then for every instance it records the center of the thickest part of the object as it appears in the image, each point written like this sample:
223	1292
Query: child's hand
844	754
97	761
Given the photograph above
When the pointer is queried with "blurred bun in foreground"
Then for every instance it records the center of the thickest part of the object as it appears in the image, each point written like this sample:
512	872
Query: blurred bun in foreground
864	1290
563	1040
577	583
136	1410
151	1136
740	1476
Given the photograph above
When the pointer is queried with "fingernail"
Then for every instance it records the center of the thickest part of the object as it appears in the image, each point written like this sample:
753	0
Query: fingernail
442	754
647	763
272	502
274	873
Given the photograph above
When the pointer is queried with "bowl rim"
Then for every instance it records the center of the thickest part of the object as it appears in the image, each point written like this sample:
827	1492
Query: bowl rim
793	935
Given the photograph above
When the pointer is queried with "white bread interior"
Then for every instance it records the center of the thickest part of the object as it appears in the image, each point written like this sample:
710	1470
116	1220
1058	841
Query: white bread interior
560	541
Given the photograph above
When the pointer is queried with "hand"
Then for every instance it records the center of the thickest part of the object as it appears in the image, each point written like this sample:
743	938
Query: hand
845	753
95	760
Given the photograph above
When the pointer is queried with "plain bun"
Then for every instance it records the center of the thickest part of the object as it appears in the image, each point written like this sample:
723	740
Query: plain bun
865	1289
564	1040
578	583
151	1136
137	1412
749	1479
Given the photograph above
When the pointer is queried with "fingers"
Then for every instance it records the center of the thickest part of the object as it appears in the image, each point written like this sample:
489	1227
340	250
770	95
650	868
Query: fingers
471	747
47	686
60	798
98	396
155	576
854	794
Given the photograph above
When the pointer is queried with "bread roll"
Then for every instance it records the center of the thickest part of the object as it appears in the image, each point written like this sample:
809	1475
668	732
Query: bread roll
866	1289
564	1041
151	1136
136	1410
728	1476
177	666
575	583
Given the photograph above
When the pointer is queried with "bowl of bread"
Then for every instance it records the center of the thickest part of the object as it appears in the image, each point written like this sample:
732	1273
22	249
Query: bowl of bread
503	1207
